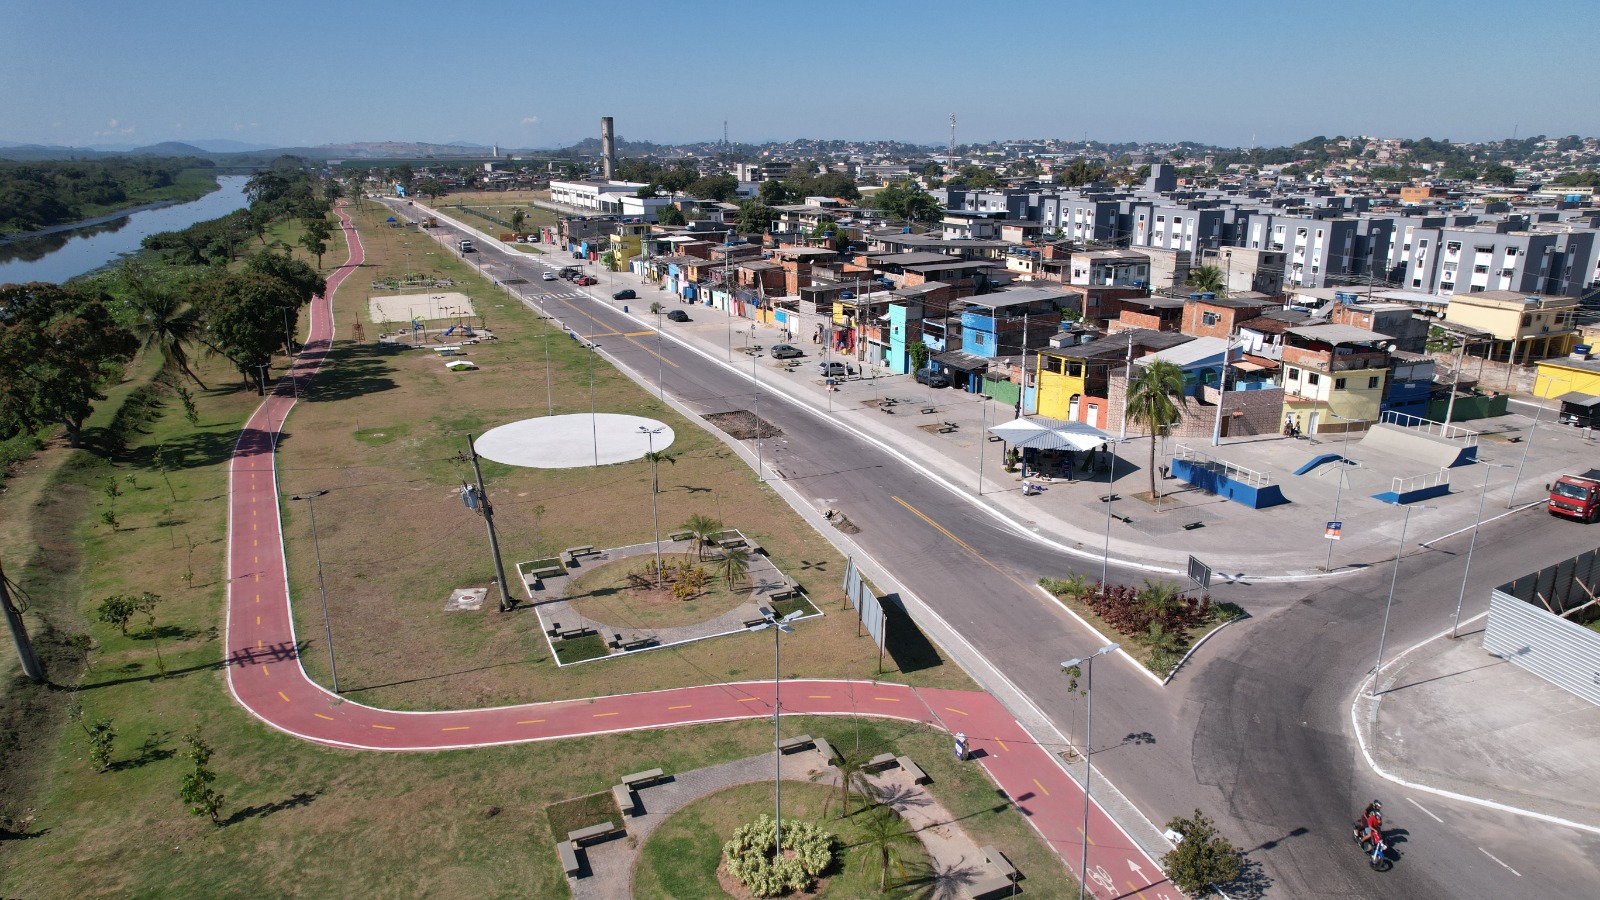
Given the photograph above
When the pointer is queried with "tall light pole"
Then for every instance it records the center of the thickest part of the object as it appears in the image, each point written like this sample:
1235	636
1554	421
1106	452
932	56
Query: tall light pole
327	627
478	501
1512	500
1222	390
770	619
1088	752
1111	496
1338	490
1488	469
1127	382
1399	553
655	522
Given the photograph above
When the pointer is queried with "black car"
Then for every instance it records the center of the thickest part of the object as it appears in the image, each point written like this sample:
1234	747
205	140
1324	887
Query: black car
678	315
625	295
933	379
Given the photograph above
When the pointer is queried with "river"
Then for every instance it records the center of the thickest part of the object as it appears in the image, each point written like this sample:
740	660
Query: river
63	255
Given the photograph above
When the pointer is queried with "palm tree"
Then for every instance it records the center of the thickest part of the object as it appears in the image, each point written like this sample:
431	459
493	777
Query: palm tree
167	321
735	564
1206	278
702	530
886	838
1151	403
653	458
852	767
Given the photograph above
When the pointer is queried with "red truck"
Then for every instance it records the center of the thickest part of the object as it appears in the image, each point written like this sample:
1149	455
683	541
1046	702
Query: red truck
1576	497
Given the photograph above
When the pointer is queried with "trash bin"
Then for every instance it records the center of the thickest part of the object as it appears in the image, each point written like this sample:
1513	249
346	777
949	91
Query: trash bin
624	307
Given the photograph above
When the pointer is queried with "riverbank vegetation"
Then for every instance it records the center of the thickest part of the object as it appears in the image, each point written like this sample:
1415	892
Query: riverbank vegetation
39	195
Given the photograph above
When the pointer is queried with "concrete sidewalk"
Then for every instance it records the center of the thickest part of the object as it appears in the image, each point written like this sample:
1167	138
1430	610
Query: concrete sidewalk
1452	717
949	442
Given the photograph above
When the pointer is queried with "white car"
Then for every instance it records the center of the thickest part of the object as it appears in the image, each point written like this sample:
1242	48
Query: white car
549	276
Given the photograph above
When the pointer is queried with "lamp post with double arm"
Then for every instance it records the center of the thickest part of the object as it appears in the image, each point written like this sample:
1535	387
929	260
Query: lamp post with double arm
1088	749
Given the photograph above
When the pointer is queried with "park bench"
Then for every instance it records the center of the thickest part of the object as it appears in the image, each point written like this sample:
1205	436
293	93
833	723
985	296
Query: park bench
571	554
680	535
880	762
547	572
915	771
754	547
648	776
779	596
604	829
998	860
826	749
995	438
990	887
569	858
639	643
624	797
929	410
795	743
751	623
572	633
946	428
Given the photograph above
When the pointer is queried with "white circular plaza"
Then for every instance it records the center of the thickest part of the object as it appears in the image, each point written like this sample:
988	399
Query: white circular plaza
573	441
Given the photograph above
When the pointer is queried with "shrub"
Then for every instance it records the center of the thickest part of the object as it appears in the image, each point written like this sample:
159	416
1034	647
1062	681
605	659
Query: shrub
749	856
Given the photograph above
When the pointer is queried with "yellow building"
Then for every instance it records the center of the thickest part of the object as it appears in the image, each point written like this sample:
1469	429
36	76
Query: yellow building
1072	381
1557	377
1333	377
626	244
1525	326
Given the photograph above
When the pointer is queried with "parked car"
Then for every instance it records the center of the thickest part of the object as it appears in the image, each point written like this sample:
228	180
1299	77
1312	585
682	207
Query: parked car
549	276
785	351
835	369
678	315
585	280
933	379
625	295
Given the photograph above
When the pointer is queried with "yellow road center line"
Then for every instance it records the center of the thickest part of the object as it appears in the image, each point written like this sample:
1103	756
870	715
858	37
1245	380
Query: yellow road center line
819	697
321	716
1136	889
1040	787
747	700
960	543
258	643
456	728
603	715
1002	745
530	721
264	669
685	706
888	699
1080	830
385	727
258	576
254	542
284	696
637	333
258	620
954	710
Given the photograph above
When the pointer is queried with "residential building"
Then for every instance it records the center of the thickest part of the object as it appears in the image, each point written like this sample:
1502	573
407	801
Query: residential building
1118	268
1523	327
1207	315
1333	370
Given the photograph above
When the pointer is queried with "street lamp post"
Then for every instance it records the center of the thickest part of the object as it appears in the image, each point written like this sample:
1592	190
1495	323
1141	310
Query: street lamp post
1488	469
327	627
655	522
1512	500
1111	496
1088	752
770	619
1338	490
1400	551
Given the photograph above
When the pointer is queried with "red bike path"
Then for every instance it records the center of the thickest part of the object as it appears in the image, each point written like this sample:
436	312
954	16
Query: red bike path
266	678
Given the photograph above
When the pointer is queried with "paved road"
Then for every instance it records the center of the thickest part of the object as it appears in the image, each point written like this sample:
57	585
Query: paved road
1257	732
265	675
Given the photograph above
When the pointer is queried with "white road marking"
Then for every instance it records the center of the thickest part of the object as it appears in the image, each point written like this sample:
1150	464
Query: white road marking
1502	865
1424	809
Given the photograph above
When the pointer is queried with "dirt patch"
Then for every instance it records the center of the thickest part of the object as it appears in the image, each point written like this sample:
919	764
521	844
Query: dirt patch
742	426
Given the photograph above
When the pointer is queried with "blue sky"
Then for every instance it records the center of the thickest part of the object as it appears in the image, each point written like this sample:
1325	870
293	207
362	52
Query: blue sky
536	74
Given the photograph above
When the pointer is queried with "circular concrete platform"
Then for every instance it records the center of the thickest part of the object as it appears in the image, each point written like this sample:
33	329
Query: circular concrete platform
570	442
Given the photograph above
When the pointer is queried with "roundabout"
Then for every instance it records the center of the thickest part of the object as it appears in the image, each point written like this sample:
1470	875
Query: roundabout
574	441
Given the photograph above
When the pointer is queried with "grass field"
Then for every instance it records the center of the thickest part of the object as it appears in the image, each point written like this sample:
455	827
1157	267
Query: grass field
395	539
605	595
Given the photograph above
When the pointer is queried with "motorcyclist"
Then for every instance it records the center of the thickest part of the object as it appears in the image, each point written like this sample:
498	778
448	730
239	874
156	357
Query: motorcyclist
1372	825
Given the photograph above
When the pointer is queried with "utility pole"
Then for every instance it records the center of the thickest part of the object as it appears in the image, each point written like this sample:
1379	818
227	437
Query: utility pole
479	502
19	633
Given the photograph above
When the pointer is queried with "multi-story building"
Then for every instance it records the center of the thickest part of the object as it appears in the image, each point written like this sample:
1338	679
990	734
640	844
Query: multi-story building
1523	327
1333	371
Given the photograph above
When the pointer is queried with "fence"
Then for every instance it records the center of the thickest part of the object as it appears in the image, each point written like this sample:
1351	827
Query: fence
1423	482
1466	436
1531	624
1227	469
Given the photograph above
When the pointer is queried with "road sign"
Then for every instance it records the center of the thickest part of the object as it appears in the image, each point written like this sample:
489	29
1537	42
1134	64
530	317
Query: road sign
1332	531
1199	573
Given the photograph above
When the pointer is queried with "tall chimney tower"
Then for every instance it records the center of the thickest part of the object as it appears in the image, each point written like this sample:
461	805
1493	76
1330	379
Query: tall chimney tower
608	147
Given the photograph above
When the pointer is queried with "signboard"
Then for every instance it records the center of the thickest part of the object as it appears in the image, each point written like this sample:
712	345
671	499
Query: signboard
1199	572
1332	531
869	608
961	746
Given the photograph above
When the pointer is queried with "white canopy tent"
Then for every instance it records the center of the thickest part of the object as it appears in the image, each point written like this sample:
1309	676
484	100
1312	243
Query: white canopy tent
1049	434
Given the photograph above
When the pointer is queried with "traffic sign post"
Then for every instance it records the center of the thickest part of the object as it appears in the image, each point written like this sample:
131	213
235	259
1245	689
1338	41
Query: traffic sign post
1199	573
1332	531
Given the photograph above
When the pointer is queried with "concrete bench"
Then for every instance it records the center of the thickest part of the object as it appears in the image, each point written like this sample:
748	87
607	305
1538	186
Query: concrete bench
915	771
572	633
946	429
995	438
569	859
552	572
751	623
990	887
929	410
680	535
880	762
624	797
795	743
826	749
645	777
998	860
604	829
949	424
754	548
571	554
639	643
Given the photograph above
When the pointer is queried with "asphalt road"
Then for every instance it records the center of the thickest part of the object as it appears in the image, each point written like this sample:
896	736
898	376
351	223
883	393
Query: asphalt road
1256	731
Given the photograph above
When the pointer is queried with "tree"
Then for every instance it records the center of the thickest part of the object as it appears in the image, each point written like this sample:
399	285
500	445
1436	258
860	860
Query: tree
243	315
670	215
647	192
301	279
145	605
102	737
60	346
735	565
1498	174
776	193
518	219
678	179
886	839
722	188
1206	278
196	788
1154	398
918	351
315	237
1080	172
118	610
702	531
432	188
1203	858
167	322
932	170
755	217
852	769
905	200
654	458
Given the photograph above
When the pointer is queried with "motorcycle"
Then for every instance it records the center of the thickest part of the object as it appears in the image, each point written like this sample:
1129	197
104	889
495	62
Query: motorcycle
1377	856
